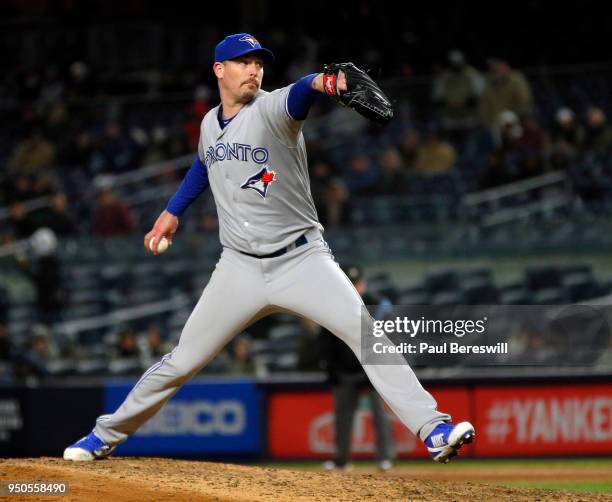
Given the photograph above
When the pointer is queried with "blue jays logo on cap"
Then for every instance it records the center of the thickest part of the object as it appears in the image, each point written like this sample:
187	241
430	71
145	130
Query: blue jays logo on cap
260	181
241	44
250	39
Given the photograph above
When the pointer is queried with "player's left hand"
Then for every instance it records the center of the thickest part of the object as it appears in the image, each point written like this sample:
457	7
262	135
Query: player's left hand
342	81
353	87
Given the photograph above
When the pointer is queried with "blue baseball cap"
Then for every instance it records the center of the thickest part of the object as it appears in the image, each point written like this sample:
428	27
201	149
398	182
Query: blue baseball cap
240	44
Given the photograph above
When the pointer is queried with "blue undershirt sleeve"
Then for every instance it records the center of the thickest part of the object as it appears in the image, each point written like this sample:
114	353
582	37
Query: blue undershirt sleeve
194	183
301	97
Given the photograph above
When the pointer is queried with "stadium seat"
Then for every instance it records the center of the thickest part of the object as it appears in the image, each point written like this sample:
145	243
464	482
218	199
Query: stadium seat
483	273
550	296
516	296
442	280
579	287
479	292
542	277
446	298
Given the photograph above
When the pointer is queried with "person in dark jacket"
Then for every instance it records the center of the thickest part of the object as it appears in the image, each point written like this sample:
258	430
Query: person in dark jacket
350	383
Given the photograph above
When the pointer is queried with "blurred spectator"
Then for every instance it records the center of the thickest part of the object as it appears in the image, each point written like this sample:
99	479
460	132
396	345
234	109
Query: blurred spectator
337	203
29	85
6	345
329	193
520	151
567	136
177	146
23	220
43	185
43	268
129	358
533	138
209	223
155	342
79	83
505	89
509	131
409	147
20	188
530	346
321	173
394	174
35	362
349	381
52	87
57	124
435	156
54	216
197	110
128	344
540	350
598	134
59	219
456	91
78	150
521	145
7	367
18	216
112	216
496	172
533	145
117	153
158	146
154	347
566	128
310	345
363	175
242	361
32	155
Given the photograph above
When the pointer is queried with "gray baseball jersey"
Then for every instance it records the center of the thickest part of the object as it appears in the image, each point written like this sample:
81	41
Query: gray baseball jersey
258	174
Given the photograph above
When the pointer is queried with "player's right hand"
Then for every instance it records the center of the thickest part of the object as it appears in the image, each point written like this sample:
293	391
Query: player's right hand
165	226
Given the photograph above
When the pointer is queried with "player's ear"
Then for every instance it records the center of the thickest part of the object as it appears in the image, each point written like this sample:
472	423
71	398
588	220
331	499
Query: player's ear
218	69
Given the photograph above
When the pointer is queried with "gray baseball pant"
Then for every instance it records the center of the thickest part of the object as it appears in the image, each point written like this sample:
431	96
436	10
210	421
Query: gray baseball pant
242	289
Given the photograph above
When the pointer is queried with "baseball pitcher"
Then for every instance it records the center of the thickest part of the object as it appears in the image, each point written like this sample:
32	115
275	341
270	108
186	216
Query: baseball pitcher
252	155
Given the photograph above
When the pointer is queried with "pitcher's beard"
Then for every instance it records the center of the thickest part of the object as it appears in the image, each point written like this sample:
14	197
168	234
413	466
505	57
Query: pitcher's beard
247	97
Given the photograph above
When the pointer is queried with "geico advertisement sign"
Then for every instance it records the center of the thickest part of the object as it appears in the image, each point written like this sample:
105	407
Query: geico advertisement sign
551	419
200	418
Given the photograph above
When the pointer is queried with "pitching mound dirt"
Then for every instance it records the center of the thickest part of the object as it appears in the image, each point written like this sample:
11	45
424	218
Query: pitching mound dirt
140	479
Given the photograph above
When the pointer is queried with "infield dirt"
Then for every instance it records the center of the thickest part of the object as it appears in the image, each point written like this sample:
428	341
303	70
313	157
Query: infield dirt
144	479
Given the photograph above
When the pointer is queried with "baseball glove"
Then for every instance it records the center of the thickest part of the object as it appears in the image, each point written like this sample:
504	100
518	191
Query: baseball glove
362	95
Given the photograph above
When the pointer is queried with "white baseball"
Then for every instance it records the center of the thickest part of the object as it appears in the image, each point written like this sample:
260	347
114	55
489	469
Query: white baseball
162	245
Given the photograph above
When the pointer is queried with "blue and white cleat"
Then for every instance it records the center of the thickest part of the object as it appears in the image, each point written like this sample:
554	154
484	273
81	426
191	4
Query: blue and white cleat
445	440
91	447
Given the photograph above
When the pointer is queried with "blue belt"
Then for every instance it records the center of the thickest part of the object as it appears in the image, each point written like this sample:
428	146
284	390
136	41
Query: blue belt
299	242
